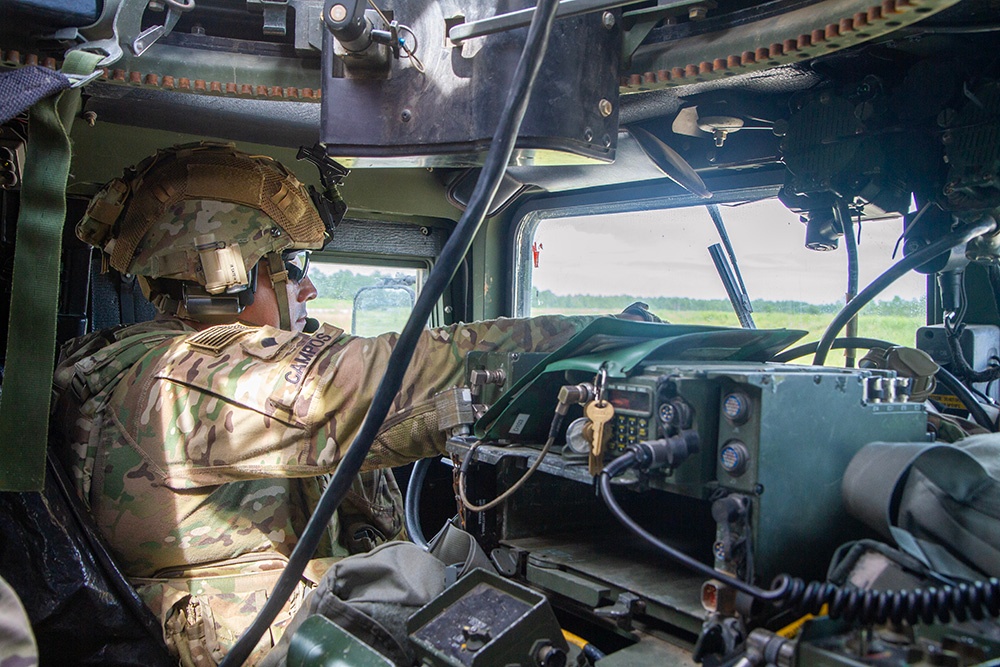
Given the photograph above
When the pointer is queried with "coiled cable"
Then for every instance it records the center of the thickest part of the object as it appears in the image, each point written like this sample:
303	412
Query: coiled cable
963	601
975	600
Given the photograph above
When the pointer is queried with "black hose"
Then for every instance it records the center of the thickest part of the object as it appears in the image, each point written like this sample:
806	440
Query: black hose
962	393
838	344
927	605
842	215
893	273
411	507
451	256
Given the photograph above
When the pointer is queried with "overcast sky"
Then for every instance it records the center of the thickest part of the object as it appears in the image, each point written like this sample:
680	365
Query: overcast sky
664	253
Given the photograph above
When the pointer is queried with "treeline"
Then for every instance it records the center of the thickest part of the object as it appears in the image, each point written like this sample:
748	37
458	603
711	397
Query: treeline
344	284
547	299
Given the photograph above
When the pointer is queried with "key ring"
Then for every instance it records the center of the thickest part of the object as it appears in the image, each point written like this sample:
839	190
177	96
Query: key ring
599	381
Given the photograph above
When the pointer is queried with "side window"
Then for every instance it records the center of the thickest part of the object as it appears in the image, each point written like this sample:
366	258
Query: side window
365	300
601	263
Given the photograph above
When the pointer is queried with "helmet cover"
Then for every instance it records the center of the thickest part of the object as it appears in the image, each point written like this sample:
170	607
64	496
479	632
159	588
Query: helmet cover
166	217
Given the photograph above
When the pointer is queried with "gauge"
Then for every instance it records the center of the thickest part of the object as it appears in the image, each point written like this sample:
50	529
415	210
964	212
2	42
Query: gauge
578	436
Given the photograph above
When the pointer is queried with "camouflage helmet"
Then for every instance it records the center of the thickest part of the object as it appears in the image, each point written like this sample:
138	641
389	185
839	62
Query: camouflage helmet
194	220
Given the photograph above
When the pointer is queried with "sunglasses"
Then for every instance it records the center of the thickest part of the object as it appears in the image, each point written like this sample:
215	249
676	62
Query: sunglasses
296	263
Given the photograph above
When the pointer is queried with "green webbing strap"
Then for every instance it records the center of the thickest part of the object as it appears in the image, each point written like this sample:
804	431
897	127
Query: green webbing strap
279	276
31	337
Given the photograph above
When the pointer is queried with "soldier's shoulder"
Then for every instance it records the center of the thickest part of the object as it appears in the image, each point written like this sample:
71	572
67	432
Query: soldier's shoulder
267	343
260	368
101	356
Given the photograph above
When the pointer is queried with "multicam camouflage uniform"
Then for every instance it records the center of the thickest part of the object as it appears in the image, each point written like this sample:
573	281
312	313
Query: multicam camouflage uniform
201	455
17	642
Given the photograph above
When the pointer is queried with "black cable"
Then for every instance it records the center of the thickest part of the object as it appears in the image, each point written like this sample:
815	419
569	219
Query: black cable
993	274
962	367
411	507
962	393
842	215
893	273
838	344
444	269
630	459
928	605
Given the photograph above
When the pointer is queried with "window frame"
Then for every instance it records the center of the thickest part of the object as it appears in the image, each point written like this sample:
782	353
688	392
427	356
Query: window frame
389	244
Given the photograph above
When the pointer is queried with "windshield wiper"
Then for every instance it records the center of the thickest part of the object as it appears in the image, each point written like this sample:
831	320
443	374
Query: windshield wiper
729	271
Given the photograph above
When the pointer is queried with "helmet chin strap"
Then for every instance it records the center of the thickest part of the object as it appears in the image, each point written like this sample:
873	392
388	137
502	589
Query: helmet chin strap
279	276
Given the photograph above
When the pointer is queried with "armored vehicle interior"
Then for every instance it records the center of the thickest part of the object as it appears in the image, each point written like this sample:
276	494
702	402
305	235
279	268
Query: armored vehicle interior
739	167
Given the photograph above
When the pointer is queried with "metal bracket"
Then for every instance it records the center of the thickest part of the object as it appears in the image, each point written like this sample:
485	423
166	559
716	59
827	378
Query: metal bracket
648	18
118	19
502	22
622	610
121	23
275	15
149	36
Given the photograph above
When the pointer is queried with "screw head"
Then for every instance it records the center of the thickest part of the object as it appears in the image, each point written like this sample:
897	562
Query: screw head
338	13
605	107
406	115
608	20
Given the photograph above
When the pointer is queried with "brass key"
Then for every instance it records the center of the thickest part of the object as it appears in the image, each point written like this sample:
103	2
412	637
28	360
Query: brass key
599	413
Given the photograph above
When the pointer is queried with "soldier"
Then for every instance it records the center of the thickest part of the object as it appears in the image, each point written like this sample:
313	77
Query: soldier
17	642
199	440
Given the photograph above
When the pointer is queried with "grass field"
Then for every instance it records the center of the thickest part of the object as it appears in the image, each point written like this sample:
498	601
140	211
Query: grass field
894	328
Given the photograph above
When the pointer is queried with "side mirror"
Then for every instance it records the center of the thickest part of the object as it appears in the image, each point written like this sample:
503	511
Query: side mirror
381	308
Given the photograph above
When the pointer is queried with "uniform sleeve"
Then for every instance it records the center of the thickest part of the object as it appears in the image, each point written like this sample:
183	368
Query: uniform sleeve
410	430
279	404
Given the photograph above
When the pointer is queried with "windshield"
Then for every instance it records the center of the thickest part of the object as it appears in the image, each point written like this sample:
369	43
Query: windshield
601	263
